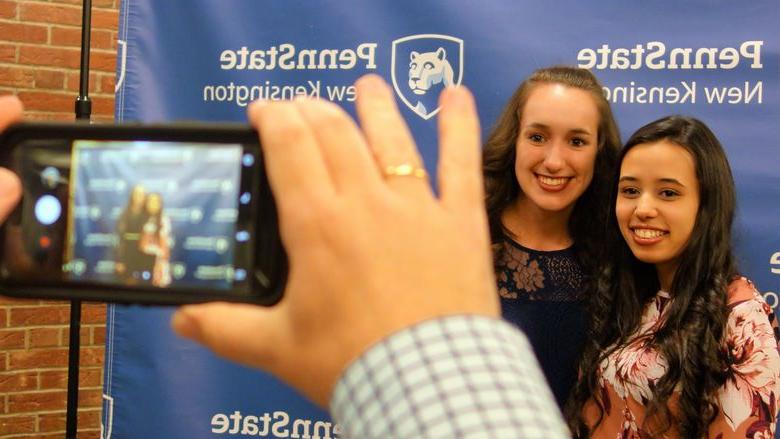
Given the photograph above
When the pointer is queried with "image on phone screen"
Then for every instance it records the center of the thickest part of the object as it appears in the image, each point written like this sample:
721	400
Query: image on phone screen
157	214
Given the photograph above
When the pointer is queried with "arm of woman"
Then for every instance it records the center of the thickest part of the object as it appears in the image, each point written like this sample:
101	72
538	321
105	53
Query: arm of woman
121	245
748	399
149	240
165	238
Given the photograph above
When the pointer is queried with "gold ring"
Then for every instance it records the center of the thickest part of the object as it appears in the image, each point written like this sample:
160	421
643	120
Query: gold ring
405	170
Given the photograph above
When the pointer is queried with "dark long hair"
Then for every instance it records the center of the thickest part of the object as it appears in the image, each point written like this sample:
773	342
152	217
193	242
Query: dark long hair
501	185
691	336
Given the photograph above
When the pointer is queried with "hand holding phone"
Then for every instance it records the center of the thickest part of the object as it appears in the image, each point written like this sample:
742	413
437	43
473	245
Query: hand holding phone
140	214
371	251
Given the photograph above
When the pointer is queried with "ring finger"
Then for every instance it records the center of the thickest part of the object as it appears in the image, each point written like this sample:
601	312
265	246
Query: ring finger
394	149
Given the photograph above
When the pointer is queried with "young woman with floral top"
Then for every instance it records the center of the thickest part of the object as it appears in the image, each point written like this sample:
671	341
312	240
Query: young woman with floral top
156	239
547	167
680	345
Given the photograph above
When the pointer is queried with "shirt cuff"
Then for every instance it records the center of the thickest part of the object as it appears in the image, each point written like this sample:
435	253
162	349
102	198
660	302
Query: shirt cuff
458	376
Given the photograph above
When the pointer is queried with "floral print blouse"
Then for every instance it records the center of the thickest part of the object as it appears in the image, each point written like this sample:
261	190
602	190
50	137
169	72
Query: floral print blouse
748	400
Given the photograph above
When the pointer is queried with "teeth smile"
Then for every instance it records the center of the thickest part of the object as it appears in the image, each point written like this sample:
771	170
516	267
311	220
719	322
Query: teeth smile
551	181
648	233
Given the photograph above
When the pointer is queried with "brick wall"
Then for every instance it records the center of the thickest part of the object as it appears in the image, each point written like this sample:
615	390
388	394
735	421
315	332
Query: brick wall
39	61
40	46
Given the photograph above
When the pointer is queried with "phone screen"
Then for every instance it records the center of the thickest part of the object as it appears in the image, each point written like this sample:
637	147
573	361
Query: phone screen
133	221
138	214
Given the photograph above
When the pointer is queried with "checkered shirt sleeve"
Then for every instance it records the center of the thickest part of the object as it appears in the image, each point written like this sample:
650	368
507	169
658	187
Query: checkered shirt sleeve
454	377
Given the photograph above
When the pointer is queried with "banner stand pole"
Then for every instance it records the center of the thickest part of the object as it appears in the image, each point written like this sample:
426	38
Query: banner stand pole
74	345
83	104
83	110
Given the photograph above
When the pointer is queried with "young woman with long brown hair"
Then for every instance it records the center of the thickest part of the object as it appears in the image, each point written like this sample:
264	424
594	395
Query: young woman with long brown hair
547	165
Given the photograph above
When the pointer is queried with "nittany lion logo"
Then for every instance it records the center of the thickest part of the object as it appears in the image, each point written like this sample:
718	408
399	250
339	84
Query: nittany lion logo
428	69
422	65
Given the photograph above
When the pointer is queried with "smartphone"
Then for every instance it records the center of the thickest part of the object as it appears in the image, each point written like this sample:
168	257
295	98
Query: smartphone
146	214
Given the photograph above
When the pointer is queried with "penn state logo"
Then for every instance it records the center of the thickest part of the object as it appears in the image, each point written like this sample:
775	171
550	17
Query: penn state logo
422	65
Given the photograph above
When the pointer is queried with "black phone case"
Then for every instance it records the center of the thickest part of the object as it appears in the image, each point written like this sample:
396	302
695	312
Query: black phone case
270	258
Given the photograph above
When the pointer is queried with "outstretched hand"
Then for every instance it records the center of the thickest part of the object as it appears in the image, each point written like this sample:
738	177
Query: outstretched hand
371	248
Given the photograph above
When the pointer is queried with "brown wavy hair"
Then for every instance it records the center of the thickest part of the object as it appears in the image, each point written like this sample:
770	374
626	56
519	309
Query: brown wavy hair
691	336
501	187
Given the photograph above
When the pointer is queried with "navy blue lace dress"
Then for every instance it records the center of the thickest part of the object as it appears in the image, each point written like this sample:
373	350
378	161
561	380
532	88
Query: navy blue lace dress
542	293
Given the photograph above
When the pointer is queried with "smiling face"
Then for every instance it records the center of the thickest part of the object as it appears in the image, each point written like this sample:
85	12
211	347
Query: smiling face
137	197
556	147
153	204
657	204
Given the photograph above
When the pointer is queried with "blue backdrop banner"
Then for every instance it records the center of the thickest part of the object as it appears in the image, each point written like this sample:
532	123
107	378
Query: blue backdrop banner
207	59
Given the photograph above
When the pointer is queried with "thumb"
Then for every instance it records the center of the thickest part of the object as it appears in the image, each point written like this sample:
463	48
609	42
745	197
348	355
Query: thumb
10	186
10	110
10	192
247	334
